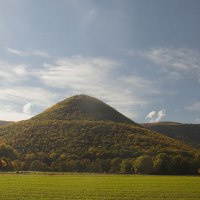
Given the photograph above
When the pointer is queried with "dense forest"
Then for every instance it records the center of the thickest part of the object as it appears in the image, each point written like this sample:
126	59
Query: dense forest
73	136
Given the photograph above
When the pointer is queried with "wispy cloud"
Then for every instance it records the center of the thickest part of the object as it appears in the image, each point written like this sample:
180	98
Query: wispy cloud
173	63
11	73
23	94
63	77
140	84
17	52
94	76
76	72
179	59
38	53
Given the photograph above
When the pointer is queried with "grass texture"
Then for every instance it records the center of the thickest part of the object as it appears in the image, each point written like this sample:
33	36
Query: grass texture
98	187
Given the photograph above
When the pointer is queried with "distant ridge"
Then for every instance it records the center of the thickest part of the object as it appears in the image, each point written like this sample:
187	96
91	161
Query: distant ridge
188	133
83	107
4	122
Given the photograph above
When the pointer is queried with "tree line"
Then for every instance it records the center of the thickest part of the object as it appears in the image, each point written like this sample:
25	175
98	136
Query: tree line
162	163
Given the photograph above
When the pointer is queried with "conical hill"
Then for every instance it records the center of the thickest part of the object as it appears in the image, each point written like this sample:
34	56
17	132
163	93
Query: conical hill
83	107
83	131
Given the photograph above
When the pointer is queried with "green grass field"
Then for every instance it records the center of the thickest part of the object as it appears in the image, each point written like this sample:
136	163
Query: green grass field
98	187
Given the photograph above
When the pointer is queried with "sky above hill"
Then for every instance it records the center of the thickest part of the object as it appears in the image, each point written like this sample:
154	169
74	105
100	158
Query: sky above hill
141	57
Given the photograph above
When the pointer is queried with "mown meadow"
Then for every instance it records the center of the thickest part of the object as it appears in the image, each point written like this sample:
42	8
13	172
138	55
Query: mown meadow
98	186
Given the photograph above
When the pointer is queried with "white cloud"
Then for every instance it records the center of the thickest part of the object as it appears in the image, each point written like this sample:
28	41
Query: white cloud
13	100
28	108
194	107
151	115
9	113
154	116
160	115
15	93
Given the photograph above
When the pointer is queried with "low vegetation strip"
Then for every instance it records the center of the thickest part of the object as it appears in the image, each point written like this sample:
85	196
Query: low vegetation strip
96	187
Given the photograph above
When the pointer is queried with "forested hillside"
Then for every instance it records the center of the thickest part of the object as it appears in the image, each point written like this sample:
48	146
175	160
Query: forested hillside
83	134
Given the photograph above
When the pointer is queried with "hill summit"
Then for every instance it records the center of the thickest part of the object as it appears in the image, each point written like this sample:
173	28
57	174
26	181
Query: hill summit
83	107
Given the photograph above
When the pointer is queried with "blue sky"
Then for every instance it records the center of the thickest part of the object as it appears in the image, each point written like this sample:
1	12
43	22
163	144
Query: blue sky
141	57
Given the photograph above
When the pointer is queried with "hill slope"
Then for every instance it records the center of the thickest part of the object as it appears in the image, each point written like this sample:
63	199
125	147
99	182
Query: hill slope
79	139
189	133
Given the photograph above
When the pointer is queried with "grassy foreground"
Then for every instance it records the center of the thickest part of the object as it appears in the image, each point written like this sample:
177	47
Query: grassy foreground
98	187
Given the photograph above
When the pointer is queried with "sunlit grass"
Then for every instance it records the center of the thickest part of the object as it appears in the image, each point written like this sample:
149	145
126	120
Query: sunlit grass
77	186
